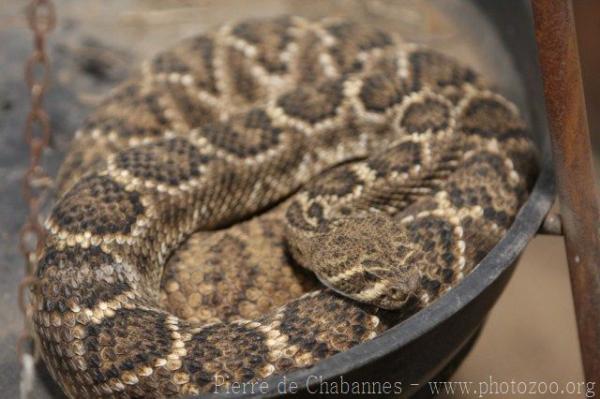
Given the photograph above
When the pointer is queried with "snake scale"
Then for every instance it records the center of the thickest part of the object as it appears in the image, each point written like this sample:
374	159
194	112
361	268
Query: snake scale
264	196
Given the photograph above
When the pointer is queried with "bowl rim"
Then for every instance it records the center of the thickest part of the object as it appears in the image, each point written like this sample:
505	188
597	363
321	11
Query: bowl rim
495	263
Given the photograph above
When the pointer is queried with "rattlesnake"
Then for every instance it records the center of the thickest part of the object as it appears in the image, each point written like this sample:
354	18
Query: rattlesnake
203	196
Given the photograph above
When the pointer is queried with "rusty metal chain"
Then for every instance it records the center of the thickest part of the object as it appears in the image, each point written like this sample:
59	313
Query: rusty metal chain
41	19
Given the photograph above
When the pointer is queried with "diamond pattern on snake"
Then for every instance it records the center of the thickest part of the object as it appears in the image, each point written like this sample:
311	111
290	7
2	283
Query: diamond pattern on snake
259	198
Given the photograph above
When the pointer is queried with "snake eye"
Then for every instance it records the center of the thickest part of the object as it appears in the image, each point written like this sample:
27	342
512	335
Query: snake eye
370	277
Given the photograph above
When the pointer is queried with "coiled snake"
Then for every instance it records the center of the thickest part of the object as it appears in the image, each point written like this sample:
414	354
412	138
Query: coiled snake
200	199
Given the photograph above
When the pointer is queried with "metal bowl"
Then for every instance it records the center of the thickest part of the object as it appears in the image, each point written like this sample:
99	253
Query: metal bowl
435	340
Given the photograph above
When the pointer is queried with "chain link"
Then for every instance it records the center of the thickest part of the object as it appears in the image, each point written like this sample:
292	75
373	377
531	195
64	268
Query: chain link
37	134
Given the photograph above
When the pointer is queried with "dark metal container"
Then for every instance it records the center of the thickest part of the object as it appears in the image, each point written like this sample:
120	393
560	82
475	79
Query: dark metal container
435	339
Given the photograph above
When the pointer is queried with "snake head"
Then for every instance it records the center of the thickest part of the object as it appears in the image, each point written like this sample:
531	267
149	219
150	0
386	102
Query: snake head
367	258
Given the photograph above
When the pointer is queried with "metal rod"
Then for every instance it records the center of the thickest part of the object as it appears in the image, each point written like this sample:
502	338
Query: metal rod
580	213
